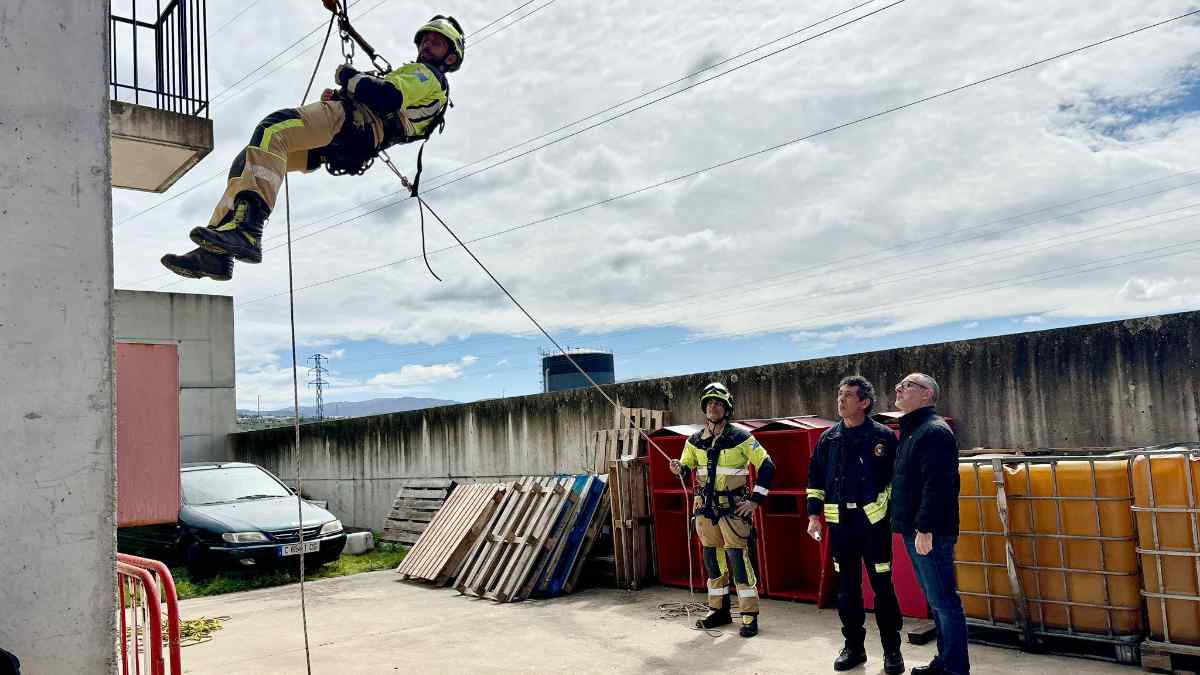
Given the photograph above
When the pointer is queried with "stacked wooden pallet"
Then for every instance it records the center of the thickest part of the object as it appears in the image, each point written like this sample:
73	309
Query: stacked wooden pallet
416	502
534	540
580	531
624	440
633	536
443	546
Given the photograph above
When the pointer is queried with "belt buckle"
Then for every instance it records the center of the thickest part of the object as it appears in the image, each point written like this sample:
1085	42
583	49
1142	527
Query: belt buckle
851	505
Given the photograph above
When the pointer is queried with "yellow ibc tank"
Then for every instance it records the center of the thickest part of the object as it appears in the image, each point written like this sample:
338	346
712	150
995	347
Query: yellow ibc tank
1073	543
979	558
1167	527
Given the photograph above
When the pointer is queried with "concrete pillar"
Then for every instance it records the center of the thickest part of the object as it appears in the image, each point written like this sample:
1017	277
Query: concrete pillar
57	490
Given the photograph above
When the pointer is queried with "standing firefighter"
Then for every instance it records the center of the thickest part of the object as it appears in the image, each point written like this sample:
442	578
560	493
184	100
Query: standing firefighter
849	481
344	131
721	456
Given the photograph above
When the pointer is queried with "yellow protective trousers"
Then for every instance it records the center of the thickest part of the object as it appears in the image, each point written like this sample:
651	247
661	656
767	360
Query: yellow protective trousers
726	555
280	143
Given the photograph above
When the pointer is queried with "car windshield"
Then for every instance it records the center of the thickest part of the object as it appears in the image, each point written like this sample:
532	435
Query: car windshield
227	484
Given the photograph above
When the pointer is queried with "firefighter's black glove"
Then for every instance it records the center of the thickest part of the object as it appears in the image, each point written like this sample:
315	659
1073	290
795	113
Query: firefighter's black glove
344	74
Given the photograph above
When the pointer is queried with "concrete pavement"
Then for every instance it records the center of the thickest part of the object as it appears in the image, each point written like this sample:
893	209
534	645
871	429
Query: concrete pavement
378	623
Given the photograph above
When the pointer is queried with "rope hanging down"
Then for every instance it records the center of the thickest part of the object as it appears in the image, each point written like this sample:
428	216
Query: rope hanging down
667	610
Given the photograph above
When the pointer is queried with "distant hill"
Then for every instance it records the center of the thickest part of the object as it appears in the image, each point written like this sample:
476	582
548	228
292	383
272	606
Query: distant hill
375	406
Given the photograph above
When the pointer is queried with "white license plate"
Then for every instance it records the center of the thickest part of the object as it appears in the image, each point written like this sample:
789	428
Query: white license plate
294	549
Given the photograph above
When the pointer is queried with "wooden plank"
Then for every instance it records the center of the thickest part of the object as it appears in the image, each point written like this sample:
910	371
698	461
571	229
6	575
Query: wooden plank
422	493
429	483
545	537
423	515
419	504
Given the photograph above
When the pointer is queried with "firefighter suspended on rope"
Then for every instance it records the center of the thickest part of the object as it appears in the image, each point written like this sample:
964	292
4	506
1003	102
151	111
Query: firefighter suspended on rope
721	456
344	131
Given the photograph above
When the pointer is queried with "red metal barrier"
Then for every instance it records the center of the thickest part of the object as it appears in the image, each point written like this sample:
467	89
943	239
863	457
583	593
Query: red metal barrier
793	567
140	602
670	508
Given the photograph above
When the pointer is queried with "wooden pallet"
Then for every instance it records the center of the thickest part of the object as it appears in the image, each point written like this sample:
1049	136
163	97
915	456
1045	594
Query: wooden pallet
589	539
516	539
624	439
633	536
416	502
441	548
641	418
568	554
1167	657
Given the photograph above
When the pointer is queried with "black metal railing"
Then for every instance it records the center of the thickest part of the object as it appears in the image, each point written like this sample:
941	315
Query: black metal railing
160	54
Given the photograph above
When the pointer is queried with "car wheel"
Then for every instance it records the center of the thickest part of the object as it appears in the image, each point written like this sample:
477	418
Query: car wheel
197	568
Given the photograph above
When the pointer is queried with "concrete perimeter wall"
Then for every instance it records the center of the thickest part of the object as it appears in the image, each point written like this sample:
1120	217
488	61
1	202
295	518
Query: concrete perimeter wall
57	474
1121	383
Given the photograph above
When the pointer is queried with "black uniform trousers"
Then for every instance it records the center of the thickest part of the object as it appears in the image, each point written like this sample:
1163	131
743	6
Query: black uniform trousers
855	542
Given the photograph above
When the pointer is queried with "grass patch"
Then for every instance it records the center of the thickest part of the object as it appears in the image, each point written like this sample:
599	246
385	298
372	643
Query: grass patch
235	581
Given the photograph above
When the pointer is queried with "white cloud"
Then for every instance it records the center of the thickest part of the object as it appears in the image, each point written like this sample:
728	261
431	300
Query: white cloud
1139	289
415	376
1033	320
973	324
905	222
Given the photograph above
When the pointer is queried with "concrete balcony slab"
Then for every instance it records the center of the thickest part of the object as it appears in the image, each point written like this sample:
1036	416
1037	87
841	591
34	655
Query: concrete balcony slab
151	148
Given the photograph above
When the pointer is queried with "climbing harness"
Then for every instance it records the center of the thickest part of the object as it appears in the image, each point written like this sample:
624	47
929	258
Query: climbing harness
352	156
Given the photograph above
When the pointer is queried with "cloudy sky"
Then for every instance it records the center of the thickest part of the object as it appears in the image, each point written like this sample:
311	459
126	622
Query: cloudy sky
1062	194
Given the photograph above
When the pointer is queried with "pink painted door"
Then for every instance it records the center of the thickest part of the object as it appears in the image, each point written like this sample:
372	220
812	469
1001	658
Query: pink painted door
147	383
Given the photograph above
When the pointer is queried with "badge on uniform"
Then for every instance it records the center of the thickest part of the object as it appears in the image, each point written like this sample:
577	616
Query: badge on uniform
879	450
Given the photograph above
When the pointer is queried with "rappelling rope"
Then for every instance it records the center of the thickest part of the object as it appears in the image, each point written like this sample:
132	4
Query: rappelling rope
287	210
673	609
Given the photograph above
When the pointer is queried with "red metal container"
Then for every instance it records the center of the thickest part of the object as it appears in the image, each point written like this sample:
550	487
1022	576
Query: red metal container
671	509
670	505
793	566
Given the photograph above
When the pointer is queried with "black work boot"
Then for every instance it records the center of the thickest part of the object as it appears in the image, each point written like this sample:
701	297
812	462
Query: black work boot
934	668
239	233
198	263
749	625
716	617
850	658
893	663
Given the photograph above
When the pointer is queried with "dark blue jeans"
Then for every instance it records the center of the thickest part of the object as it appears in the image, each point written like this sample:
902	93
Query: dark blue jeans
935	572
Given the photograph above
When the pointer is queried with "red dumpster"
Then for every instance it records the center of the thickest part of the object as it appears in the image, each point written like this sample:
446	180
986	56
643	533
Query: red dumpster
793	566
670	505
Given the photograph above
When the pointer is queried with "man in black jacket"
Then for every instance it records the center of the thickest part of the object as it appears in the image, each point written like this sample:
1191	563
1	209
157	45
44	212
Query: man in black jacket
849	482
925	512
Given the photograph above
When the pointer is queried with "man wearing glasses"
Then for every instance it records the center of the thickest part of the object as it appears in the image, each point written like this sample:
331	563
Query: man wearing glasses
925	512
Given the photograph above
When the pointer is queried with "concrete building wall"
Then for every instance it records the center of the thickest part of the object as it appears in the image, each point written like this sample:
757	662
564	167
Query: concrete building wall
202	328
1133	382
57	484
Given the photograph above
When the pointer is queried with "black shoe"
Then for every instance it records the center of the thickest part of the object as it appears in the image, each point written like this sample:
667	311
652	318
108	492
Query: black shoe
198	263
931	669
893	663
239	234
716	617
749	625
849	658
